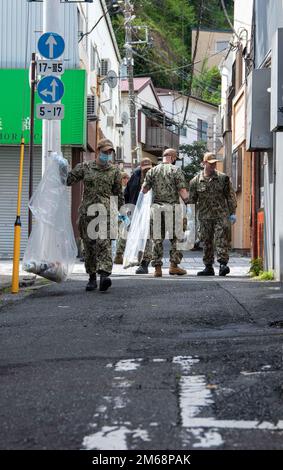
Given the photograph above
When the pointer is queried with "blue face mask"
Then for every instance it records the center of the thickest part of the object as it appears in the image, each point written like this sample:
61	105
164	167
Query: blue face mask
104	158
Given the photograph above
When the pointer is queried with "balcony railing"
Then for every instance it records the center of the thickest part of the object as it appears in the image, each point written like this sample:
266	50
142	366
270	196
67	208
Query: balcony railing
157	138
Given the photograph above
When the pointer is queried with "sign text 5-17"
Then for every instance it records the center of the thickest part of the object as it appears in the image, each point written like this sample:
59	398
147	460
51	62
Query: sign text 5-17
50	111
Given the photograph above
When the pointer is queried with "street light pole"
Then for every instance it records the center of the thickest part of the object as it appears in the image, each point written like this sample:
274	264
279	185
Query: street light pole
128	9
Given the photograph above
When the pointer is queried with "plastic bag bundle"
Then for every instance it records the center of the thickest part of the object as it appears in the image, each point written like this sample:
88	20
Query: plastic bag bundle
139	231
51	250
188	240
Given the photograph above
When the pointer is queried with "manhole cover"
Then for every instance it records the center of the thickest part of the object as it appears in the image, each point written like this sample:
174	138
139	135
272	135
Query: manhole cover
276	324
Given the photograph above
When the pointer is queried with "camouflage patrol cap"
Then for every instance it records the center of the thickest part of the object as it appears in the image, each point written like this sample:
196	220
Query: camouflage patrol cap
209	157
146	163
105	144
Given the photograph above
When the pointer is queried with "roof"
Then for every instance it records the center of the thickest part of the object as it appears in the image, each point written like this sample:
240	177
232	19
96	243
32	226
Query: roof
140	83
211	30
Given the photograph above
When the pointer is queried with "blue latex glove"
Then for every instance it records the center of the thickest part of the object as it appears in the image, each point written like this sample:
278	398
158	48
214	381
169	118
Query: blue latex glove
125	219
232	218
189	211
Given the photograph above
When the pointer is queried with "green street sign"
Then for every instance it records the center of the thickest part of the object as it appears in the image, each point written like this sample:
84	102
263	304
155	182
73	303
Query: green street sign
15	108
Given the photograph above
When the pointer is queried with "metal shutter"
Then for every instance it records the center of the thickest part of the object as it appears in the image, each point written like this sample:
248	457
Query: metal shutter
9	171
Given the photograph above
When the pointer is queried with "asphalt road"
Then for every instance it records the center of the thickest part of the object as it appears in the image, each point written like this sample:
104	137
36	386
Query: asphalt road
167	363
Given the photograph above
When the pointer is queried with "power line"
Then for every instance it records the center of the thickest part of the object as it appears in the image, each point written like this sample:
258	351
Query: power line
228	19
194	57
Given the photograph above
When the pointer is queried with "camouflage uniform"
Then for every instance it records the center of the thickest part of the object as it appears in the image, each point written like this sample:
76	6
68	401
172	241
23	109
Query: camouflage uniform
99	184
165	180
215	200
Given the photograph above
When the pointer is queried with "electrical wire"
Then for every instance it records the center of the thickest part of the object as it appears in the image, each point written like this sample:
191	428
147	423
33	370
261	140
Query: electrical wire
228	19
200	12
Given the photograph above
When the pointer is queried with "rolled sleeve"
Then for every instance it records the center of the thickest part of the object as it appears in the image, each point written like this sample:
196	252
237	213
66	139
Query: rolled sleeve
75	175
148	182
180	179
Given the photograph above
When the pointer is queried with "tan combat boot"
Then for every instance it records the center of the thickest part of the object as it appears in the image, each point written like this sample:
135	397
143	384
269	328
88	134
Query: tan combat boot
118	259
175	269
158	271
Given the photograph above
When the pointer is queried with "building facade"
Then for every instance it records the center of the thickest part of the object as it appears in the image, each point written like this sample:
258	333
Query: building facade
212	47
88	99
155	130
238	161
200	122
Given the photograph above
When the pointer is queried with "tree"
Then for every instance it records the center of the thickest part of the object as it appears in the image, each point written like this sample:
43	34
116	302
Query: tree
207	85
195	154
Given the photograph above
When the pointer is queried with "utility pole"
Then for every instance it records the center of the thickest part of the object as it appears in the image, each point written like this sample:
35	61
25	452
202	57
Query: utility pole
51	130
128	10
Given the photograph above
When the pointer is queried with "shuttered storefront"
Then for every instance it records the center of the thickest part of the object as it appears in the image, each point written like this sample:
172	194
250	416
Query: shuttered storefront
9	170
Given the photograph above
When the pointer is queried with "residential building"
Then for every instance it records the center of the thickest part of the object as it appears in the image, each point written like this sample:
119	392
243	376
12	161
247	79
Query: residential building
155	130
213	45
200	123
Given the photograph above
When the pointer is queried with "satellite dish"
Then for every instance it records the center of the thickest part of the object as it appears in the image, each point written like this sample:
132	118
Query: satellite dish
124	118
112	79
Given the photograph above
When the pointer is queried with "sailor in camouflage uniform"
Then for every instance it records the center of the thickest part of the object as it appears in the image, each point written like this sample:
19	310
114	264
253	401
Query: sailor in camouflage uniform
101	181
216	203
168	185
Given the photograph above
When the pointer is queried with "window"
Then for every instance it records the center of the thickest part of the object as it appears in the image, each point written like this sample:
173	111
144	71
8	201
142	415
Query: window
237	170
202	130
183	131
220	46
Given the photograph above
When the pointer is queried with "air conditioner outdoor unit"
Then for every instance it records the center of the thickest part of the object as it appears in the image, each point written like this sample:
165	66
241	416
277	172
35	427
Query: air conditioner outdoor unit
91	108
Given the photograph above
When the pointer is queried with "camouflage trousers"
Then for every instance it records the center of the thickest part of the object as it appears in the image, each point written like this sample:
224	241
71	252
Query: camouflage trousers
98	253
157	252
215	234
147	254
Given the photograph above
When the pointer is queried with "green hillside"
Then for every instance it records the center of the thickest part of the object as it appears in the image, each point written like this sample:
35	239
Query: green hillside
167	58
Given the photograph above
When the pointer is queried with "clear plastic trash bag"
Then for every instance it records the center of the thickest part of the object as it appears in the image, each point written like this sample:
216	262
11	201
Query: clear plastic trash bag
51	249
50	200
139	231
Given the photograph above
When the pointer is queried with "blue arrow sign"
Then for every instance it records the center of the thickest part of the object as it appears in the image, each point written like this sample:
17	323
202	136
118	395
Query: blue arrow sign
51	45
50	89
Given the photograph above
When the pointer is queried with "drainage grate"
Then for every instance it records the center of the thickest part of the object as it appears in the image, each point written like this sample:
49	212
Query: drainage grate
276	324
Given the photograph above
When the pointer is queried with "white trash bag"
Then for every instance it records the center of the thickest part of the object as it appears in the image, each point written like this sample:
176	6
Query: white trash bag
188	240
51	250
139	231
